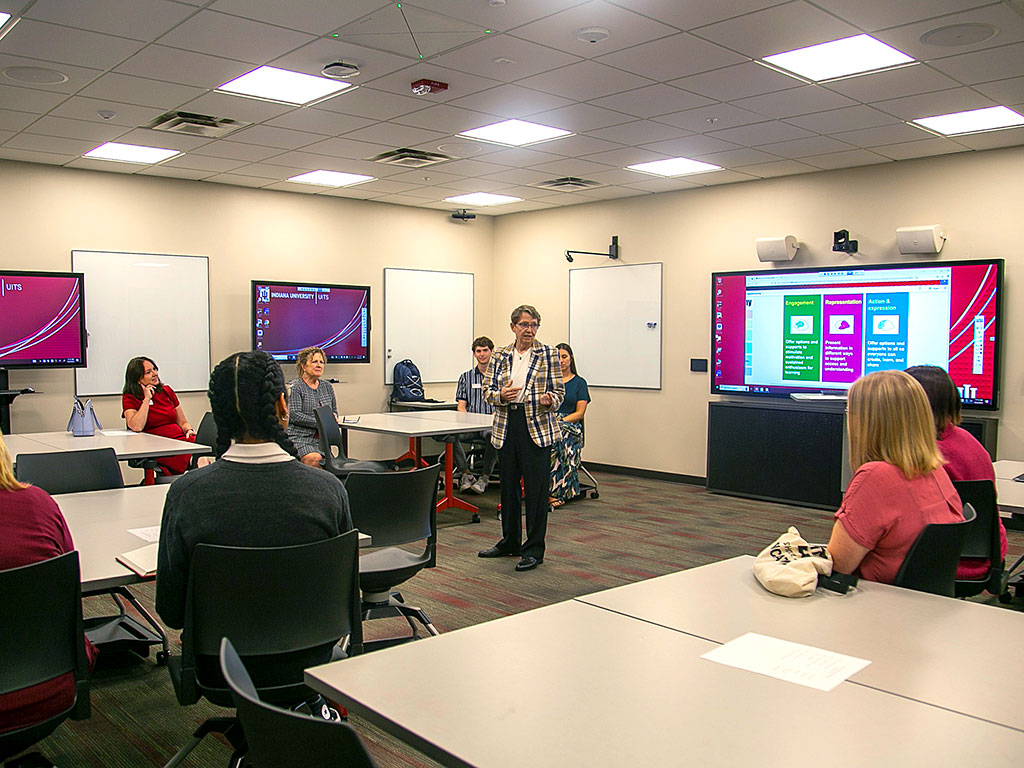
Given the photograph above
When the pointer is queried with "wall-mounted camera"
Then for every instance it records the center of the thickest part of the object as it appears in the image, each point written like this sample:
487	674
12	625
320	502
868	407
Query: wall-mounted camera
463	215
841	242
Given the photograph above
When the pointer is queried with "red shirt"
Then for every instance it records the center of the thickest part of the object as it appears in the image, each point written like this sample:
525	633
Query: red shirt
162	420
884	512
33	529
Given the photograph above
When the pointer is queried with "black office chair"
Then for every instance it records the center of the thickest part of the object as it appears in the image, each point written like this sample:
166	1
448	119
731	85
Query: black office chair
395	509
41	637
931	562
96	470
279	738
205	435
285	608
982	540
332	448
71	471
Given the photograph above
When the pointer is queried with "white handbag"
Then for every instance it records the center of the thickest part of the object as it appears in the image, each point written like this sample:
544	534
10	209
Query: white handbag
790	566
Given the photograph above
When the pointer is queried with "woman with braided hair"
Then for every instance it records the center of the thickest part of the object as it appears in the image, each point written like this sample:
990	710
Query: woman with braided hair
256	495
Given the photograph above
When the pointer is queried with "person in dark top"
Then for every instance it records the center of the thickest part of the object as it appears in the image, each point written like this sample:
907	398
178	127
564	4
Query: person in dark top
149	405
257	494
567	452
32	529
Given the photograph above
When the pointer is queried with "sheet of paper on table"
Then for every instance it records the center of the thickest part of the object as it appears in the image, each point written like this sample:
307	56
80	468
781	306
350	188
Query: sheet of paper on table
149	533
793	662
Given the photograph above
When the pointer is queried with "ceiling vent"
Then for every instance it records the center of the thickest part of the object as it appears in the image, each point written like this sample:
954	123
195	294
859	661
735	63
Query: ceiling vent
567	184
194	124
409	158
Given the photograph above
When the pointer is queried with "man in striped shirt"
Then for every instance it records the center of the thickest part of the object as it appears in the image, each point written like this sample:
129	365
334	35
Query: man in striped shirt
470	398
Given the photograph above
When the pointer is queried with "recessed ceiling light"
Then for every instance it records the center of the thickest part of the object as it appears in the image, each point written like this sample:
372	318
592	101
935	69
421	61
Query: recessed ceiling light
131	153
674	166
515	133
482	198
850	56
331	178
283	85
4	18
971	121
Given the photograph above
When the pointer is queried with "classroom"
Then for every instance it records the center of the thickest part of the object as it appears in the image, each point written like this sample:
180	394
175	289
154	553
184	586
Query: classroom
56	202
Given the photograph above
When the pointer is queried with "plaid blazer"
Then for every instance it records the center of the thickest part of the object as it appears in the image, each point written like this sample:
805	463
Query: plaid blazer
543	375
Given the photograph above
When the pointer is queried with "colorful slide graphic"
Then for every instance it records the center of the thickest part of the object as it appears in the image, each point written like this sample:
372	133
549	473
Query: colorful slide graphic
841	359
885	337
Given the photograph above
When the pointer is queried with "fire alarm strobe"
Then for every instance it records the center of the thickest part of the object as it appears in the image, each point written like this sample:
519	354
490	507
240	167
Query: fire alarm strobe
423	87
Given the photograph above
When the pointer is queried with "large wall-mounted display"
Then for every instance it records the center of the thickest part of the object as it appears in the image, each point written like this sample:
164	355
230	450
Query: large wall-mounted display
42	319
781	332
288	317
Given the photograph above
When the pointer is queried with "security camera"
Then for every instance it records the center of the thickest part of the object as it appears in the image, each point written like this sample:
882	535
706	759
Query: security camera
463	215
568	257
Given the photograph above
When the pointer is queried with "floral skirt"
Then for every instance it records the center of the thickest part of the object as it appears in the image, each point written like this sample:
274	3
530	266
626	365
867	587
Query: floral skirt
566	455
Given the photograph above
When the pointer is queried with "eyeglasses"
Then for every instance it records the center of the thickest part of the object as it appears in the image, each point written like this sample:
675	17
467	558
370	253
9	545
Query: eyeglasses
528	326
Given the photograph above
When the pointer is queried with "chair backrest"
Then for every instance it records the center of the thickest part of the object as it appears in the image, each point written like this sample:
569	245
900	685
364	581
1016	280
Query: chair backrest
278	738
207	432
41	634
983	537
271	601
931	562
71	471
396	508
330	433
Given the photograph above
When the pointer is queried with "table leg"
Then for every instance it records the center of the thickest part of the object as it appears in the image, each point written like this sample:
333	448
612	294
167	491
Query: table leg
414	453
449	501
150	476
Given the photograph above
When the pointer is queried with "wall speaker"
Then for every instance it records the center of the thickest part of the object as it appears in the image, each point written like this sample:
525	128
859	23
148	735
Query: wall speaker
928	239
776	248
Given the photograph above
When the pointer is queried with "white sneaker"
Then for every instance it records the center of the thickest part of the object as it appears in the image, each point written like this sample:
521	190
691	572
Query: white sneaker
480	486
466	482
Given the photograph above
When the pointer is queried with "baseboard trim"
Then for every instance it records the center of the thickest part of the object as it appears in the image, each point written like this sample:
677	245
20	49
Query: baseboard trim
650	474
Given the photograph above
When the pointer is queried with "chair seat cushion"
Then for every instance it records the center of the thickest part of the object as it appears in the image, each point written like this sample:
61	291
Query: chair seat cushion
389	567
345	466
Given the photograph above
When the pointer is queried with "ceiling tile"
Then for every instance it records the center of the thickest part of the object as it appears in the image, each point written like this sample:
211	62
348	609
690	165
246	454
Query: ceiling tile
370	102
651	101
42	40
231	150
31	156
312	57
848	159
52	144
619	175
580	118
269	136
140	91
712	117
164	139
640	132
481	184
29	99
573	146
497	17
308	162
692	15
272	170
559	31
77	76
812	145
158	62
446	119
5	135
795	101
925	148
779	168
893	83
1009	137
319	121
736	82
192	161
691	146
620	158
77	129
520	176
715	178
435	175
571	167
395	135
235	107
983	66
1000	16
879	14
231	37
107	166
505	58
1007	92
84	108
653	184
137	19
512	101
170	172
762	133
846	119
293	186
471	168
459	83
318	17
237	180
585	81
610	193
883	134
15	121
937	103
779	28
672	57
348	148
737	158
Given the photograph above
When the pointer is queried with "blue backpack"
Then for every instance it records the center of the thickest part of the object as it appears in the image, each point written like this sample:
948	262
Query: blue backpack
407	383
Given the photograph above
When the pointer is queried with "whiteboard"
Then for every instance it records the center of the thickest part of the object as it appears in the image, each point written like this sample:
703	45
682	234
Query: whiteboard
615	325
428	318
145	304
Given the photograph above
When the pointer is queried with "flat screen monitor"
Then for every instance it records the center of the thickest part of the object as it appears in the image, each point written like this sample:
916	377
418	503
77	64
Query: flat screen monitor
288	317
815	331
42	319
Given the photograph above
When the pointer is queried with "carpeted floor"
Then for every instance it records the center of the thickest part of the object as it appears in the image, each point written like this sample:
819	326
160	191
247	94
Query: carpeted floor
637	529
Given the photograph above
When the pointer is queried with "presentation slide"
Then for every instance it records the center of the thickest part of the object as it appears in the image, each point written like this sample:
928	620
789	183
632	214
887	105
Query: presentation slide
42	320
789	331
290	317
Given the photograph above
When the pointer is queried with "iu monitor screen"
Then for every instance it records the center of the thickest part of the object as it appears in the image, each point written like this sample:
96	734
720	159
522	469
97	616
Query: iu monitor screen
288	317
816	331
42	320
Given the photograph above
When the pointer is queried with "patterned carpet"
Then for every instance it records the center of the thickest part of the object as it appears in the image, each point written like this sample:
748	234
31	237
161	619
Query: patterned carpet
637	529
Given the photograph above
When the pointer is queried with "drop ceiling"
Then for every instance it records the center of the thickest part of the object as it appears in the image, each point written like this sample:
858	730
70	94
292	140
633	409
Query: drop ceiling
672	78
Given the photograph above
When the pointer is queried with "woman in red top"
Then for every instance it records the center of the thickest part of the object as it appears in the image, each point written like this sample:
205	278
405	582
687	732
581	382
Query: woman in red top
32	529
147	405
899	485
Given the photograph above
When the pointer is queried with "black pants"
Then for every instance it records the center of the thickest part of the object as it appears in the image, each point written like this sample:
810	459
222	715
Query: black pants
523	458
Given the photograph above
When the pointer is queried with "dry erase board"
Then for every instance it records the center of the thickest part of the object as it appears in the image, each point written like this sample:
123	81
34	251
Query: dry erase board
155	305
428	318
615	325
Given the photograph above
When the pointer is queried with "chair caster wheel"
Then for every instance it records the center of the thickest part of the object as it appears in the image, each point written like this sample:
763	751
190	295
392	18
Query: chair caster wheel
161	658
476	518
1005	598
595	495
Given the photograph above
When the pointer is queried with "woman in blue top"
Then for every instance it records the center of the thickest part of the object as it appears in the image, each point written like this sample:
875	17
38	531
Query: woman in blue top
566	453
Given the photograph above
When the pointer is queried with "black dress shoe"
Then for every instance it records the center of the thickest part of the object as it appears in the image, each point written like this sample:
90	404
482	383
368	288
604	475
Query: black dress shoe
528	563
496	551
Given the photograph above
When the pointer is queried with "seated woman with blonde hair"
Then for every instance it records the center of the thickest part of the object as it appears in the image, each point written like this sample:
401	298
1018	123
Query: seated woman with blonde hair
899	485
306	394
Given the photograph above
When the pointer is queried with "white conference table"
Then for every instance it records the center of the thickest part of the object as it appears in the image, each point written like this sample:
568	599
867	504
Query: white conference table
938	650
419	424
1010	493
572	684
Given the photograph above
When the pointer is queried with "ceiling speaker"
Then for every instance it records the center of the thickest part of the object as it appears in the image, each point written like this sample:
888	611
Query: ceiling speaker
776	248
928	239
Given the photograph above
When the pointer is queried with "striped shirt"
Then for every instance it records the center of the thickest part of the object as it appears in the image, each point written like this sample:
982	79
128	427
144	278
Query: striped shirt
471	389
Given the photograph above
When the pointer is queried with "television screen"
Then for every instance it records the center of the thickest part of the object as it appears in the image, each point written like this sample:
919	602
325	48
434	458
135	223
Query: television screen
288	317
43	319
781	332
